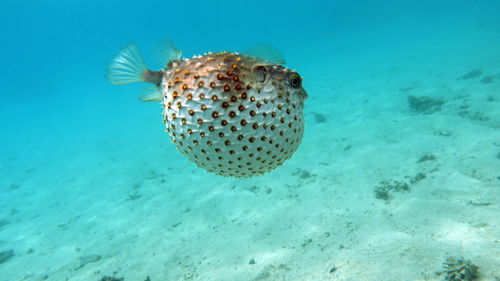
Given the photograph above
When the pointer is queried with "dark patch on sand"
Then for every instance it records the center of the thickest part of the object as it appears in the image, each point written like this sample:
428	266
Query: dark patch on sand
87	259
425	104
303	174
320	118
475	73
385	188
474	115
107	278
3	222
6	255
487	79
426	157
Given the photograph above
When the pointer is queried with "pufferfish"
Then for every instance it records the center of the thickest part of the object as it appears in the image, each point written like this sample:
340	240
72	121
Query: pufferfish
236	115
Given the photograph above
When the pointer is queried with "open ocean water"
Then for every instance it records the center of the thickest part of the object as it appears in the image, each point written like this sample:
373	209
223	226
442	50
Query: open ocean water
397	176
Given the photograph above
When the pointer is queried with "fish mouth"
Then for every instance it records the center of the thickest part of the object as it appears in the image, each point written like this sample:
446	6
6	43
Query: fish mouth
303	94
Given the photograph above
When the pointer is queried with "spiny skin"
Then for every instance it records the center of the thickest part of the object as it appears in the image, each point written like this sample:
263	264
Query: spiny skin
232	114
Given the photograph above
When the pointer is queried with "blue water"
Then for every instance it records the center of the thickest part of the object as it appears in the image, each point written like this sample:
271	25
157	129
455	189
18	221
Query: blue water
90	185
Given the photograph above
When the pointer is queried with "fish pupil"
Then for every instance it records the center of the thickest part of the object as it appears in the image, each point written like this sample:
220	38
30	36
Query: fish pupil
295	80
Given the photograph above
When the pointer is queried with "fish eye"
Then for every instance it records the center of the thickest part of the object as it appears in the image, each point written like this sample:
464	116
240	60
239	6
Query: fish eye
295	80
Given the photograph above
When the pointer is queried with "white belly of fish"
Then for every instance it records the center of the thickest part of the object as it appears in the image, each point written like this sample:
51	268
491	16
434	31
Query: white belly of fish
235	134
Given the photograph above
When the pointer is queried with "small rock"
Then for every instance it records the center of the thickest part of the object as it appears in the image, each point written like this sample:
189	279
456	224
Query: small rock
426	157
252	261
333	269
459	270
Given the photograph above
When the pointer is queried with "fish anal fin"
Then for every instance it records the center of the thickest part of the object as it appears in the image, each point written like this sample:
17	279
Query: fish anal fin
151	94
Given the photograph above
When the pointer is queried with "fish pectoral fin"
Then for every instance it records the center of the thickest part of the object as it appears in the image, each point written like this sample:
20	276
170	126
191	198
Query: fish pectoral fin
266	53
151	94
127	66
165	52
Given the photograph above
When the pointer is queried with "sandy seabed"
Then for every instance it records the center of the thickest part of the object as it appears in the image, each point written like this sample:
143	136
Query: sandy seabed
399	169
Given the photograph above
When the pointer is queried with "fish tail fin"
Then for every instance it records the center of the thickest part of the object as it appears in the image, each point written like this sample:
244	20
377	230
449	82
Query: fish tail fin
128	67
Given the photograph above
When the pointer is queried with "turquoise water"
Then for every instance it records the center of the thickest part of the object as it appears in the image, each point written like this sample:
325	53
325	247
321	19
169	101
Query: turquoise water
399	167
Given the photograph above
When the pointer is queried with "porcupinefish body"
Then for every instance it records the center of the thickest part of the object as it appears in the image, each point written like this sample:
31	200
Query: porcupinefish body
233	114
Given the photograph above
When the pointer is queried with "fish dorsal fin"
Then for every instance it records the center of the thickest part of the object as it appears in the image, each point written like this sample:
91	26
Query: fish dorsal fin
266	53
165	52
